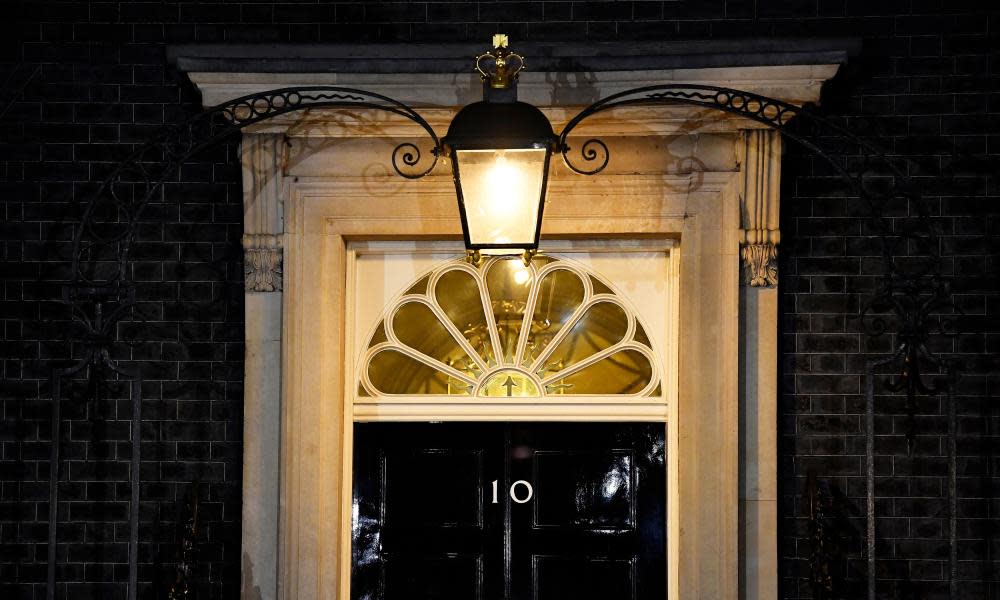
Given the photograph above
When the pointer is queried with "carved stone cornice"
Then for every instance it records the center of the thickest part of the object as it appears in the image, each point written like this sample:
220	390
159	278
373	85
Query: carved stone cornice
759	205
263	158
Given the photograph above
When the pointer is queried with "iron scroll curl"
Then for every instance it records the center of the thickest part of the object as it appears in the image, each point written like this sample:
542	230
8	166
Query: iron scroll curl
409	155
592	150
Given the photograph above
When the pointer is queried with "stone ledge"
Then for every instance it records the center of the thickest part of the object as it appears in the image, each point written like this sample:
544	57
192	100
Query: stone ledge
558	75
542	57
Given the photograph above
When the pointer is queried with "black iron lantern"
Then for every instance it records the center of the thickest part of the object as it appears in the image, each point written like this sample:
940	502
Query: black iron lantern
499	150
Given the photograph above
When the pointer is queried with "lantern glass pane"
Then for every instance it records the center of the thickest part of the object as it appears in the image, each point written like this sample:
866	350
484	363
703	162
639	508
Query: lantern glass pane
501	190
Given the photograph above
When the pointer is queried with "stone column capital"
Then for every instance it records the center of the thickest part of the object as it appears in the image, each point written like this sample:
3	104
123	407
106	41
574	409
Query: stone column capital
760	201
263	158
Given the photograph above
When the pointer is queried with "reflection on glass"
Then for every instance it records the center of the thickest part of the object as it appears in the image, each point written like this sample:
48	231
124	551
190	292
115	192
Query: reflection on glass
392	372
624	372
602	326
457	293
508	282
560	292
511	384
379	336
640	335
416	326
599	287
419	287
454	310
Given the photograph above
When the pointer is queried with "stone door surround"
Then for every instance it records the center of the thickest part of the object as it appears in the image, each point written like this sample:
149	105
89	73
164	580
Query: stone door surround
317	180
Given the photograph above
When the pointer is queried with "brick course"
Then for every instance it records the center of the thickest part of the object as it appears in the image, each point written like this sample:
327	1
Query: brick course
85	80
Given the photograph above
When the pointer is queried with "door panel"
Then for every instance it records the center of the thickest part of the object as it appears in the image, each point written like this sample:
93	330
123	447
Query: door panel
578	578
425	524
421	529
416	575
596	528
410	475
588	491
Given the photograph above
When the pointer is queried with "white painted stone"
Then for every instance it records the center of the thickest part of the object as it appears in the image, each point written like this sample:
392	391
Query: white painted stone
261	435
263	225
758	442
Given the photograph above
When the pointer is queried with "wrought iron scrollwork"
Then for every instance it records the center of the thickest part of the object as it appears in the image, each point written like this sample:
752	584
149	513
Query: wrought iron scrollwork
921	307
592	150
770	112
407	156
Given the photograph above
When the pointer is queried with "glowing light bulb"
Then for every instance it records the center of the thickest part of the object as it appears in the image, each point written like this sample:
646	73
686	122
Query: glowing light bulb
503	181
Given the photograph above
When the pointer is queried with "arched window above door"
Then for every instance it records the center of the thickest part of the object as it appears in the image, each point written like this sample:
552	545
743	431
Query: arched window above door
504	329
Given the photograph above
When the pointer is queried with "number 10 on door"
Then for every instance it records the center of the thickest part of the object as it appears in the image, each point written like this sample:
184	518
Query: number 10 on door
515	495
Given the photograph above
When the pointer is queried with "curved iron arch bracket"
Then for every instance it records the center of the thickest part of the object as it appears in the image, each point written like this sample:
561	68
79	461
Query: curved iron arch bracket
771	112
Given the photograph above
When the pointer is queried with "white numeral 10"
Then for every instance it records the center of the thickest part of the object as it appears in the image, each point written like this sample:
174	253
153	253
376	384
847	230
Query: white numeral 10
513	491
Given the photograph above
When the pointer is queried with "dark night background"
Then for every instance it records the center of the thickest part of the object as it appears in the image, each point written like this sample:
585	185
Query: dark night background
85	80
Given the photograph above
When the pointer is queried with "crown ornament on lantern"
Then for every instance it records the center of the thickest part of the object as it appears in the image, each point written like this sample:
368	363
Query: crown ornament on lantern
499	66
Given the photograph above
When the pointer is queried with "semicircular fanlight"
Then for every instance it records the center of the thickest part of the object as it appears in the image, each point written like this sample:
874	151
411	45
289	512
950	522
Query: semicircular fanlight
506	329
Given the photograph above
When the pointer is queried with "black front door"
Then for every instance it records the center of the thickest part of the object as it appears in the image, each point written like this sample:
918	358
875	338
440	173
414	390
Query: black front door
509	511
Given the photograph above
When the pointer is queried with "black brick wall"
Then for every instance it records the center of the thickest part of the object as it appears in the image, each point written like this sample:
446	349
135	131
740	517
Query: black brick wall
83	80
